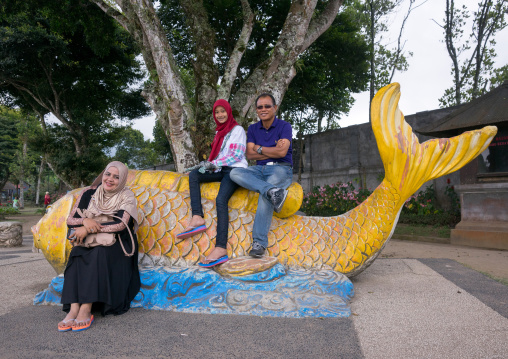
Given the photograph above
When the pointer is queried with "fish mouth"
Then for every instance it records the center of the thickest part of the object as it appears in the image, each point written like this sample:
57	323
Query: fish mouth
35	233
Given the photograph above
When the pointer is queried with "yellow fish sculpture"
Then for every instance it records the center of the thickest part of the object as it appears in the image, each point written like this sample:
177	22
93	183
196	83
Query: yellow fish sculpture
347	243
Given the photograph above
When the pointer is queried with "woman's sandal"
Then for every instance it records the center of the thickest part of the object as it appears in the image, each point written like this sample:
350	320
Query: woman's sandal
191	231
78	327
65	327
215	262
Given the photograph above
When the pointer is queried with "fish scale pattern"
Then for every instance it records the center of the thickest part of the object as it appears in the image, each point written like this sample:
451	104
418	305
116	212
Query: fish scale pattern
347	243
341	243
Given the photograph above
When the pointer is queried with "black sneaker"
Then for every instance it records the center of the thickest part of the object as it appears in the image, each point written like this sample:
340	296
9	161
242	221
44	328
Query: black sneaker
277	196
257	250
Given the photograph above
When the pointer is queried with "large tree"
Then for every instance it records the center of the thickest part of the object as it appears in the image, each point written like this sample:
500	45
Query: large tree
70	60
473	58
218	71
9	142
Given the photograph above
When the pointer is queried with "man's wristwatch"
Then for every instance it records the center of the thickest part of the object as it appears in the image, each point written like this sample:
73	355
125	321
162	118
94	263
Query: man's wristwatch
260	148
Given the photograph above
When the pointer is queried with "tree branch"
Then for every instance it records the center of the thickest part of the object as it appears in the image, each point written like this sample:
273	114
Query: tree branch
321	23
56	174
237	53
399	49
118	16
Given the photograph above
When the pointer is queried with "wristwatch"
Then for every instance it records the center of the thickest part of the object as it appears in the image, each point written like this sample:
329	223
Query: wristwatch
259	149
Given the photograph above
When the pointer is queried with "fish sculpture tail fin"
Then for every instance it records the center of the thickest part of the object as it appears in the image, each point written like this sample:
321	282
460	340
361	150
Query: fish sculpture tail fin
409	164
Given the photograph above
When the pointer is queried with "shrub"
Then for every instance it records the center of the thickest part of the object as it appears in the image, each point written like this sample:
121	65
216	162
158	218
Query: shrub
8	211
332	200
339	198
422	203
454	200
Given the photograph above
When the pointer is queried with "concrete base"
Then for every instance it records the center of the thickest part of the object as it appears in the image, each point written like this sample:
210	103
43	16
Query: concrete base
492	235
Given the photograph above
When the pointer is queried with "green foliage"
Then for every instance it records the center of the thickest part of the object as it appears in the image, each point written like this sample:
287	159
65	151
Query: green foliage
8	142
70	59
454	200
8	211
334	66
434	219
161	145
332	200
23	167
134	151
439	231
339	198
422	209
422	203
499	76
473	57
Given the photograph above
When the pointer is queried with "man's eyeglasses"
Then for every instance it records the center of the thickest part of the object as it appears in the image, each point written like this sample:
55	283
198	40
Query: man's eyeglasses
265	106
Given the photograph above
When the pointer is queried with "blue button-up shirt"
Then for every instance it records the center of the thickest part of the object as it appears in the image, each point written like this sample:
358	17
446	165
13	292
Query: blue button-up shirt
261	136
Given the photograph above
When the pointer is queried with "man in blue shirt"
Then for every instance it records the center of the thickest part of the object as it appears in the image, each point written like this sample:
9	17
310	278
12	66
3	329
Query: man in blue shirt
269	143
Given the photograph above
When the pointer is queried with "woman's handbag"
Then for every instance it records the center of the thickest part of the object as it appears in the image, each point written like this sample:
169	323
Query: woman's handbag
102	239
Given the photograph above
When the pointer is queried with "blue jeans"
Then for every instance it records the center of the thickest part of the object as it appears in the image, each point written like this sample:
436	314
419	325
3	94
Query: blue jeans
261	179
226	190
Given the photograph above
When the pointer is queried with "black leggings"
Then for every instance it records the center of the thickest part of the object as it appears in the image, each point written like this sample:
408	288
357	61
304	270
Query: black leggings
226	190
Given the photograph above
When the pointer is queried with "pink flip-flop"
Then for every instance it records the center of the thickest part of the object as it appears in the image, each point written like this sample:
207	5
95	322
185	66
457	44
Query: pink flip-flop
191	232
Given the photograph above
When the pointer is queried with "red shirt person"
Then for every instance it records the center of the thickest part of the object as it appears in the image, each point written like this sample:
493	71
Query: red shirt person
47	199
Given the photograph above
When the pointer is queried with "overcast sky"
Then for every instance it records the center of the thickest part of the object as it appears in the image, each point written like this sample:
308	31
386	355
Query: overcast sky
429	68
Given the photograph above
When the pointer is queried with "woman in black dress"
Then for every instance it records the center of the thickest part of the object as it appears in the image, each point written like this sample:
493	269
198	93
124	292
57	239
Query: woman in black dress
103	277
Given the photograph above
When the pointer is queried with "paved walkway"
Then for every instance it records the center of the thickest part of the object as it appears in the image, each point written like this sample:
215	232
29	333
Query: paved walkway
403	308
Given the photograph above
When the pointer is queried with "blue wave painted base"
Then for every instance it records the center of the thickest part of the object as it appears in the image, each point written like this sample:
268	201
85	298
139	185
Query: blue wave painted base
276	292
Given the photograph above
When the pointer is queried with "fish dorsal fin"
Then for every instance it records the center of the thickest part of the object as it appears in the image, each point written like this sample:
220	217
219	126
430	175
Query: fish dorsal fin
409	164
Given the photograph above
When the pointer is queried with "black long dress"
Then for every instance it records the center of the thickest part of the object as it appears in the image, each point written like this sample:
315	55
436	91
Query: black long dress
104	276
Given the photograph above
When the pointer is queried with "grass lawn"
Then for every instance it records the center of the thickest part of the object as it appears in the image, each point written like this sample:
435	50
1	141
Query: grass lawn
423	231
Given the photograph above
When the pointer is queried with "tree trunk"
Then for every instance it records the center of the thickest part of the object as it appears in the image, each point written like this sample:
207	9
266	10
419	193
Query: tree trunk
58	176
166	92
39	179
22	175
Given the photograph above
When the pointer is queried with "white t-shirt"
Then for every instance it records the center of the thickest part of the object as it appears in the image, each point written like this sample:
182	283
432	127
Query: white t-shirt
232	152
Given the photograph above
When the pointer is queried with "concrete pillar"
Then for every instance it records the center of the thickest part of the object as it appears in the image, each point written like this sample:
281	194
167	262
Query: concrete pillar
484	216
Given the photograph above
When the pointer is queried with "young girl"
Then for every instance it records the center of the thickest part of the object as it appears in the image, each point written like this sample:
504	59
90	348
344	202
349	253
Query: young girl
228	152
